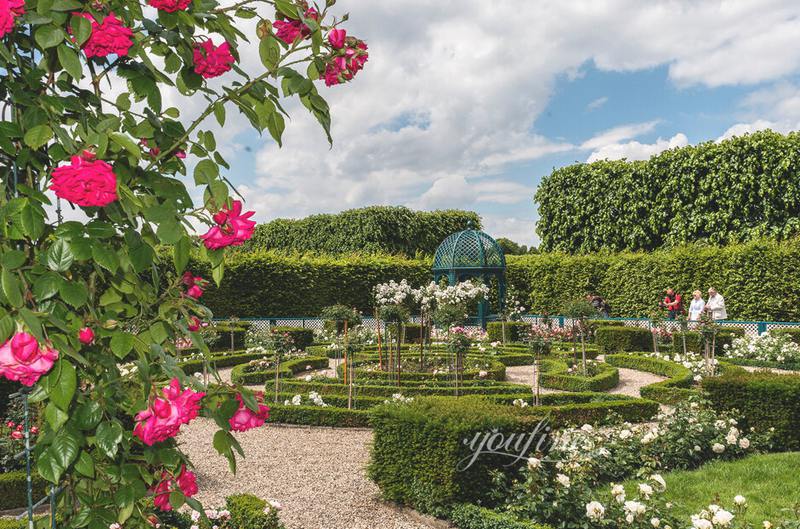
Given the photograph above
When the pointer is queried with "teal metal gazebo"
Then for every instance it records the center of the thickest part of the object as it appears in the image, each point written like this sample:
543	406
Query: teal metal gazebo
472	254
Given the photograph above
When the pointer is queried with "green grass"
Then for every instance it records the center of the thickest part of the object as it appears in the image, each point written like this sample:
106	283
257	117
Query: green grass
770	483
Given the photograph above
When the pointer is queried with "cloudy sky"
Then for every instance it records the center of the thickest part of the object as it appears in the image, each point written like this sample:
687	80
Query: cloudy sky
469	103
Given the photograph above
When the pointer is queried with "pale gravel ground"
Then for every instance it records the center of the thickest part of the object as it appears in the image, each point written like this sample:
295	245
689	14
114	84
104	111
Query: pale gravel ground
317	474
630	381
524	375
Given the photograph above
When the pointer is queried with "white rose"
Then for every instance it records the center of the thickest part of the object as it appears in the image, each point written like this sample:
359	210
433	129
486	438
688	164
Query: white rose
534	463
744	443
563	480
655	522
617	490
718	448
645	490
767	524
587	428
700	523
722	518
662	485
595	510
739	500
624	434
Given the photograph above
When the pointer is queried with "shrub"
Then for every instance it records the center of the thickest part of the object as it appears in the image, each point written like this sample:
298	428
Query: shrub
234	359
301	338
385	229
514	330
417	447
793	333
623	339
764	400
694	342
413	332
676	388
319	416
249	512
470	516
232	334
554	375
240	375
701	192
14	491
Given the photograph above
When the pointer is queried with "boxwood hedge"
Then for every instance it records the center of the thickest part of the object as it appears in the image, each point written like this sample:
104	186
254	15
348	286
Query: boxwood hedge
621	339
13	489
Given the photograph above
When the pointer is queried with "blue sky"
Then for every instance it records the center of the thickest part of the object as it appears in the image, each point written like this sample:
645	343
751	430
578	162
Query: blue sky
468	105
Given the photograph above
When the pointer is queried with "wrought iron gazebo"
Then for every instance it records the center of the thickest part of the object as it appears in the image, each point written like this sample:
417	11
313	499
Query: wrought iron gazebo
472	254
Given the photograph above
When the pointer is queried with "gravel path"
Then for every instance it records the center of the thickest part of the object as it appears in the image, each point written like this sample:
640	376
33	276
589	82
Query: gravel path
524	375
317	474
630	380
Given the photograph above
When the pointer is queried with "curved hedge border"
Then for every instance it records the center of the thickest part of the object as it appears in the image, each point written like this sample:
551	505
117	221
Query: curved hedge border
13	489
333	387
220	361
417	447
554	375
495	371
676	388
319	416
288	368
470	516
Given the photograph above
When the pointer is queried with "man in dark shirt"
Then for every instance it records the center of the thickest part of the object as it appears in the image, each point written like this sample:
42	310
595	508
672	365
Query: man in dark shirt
673	304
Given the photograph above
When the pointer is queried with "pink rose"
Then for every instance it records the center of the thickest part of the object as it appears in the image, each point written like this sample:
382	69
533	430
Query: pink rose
337	37
170	6
244	419
86	182
212	61
190	280
21	359
180	154
186	481
109	37
9	11
194	292
343	67
232	227
291	30
163	419
86	335
194	324
17	435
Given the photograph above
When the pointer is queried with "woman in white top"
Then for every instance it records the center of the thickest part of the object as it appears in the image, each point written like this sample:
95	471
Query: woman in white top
697	306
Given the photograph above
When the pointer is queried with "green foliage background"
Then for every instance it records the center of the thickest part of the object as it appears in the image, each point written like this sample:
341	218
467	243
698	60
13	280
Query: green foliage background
386	229
758	280
733	191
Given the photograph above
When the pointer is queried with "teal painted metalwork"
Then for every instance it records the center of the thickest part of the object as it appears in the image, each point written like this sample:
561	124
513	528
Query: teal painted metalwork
472	254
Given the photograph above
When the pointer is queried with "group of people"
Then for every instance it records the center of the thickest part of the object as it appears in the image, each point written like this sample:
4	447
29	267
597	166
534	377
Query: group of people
715	306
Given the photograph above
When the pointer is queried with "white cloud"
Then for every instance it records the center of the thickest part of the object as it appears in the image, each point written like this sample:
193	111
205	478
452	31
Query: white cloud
776	107
618	134
597	103
634	150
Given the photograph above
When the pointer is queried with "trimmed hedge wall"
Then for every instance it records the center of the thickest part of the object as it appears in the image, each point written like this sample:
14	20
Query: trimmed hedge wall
721	192
554	375
13	489
332	386
319	416
387	229
301	337
694	340
763	400
470	516
417	447
794	333
623	339
513	330
270	284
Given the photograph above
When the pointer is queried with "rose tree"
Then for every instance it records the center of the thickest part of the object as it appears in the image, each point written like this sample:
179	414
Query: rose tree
78	299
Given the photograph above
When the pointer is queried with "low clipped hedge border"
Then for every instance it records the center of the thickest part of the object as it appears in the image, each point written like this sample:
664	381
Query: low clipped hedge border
14	490
676	388
288	368
495	371
302	338
789	366
554	375
220	361
417	447
470	516
515	331
333	387
793	333
319	416
694	340
616	339
762	400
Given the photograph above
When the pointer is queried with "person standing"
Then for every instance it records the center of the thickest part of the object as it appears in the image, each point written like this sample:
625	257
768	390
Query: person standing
673	303
715	305
696	306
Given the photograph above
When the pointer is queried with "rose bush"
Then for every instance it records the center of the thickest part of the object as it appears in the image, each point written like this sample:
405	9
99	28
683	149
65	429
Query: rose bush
89	320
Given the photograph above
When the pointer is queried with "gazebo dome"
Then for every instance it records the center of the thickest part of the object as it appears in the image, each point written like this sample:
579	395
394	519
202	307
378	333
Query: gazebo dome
469	250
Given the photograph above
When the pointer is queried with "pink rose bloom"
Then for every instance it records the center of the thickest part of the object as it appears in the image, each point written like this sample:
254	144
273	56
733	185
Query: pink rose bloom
194	292
291	30
233	228
342	68
86	335
194	324
109	37
244	419
17	435
190	279
21	359
337	37
85	181
170	6
9	11
186	481
212	61
163	419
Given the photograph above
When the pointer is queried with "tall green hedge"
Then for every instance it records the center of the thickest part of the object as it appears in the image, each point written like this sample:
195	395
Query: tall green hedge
720	192
385	229
756	278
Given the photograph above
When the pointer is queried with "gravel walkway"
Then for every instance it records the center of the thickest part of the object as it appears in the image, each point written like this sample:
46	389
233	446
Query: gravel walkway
630	380
317	474
524	375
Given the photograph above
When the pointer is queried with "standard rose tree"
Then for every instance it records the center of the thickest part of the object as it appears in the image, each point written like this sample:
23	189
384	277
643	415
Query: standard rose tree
91	311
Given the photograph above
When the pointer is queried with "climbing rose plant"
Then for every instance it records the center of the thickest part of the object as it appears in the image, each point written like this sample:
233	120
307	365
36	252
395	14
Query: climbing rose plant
84	125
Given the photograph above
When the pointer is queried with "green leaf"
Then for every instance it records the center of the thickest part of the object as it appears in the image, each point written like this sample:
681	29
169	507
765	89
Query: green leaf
205	172
74	293
81	29
126	143
48	36
38	136
105	257
158	331
287	8
85	464
180	254
11	287
88	415
122	343
223	443
46	286
12	259
70	61
276	126
219	113
32	221
59	256
108	438
33	323
7	327
61	384
270	52
55	416
218	273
